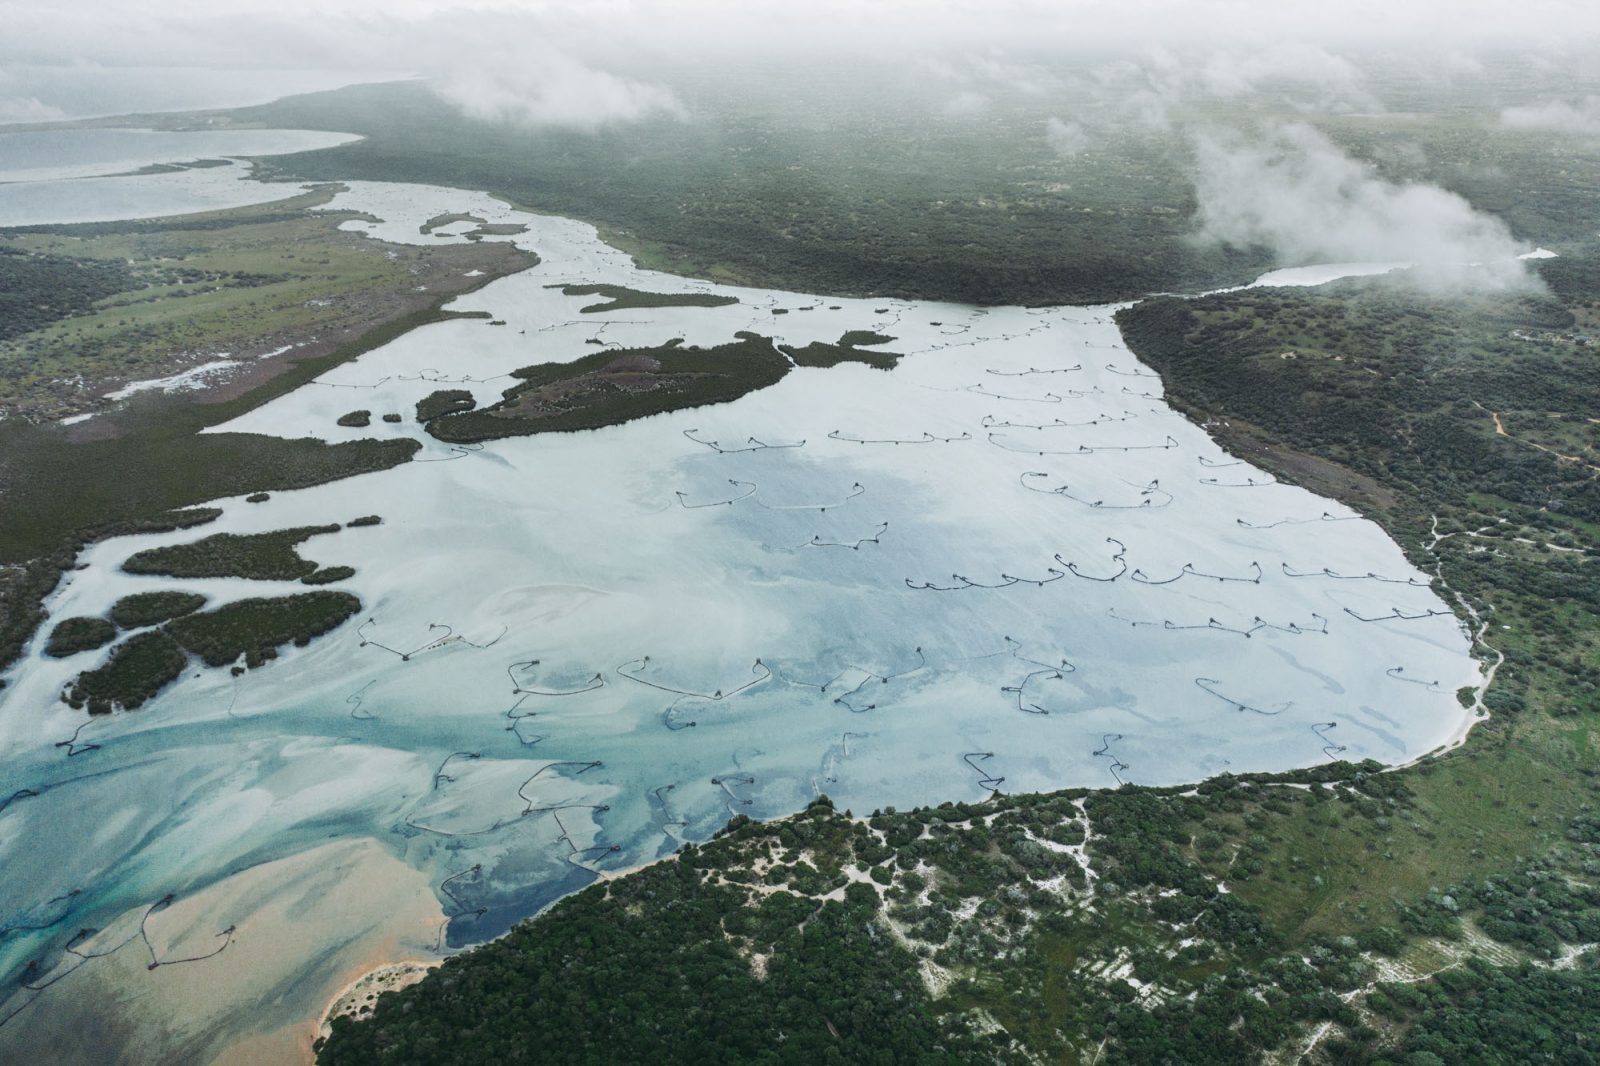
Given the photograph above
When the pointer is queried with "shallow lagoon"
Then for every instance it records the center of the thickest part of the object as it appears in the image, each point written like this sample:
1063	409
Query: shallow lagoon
88	175
1004	563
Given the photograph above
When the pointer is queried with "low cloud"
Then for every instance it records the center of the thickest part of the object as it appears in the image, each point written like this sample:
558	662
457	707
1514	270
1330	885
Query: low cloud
1067	139
1159	88
1580	117
1023	78
28	109
966	104
978	80
1308	77
1294	191
554	90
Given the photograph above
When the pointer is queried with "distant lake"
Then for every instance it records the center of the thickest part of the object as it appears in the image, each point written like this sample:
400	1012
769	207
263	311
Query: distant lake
51	93
85	175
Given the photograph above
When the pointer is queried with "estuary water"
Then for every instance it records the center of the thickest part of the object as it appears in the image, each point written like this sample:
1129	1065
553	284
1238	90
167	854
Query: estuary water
1006	563
90	175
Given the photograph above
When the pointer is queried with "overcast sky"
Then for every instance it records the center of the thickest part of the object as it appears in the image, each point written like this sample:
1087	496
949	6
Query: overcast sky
318	32
585	64
527	60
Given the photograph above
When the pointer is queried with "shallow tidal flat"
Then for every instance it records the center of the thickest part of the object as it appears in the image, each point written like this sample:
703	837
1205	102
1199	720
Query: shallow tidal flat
1005	563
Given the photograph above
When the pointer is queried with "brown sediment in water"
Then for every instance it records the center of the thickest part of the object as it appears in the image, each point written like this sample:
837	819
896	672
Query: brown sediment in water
304	927
390	976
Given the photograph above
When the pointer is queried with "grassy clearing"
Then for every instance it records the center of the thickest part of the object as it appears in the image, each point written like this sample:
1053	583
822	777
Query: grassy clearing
1508	797
257	273
243	281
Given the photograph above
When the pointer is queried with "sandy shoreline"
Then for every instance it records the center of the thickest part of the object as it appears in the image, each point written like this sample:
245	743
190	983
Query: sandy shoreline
354	998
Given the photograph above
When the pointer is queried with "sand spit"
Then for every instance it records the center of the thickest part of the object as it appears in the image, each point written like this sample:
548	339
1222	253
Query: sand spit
356	998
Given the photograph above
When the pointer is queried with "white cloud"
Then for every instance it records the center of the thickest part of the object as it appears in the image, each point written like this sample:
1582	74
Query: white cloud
1021	78
28	109
1581	117
1172	51
1067	139
977	79
551	89
1294	191
966	104
1304	71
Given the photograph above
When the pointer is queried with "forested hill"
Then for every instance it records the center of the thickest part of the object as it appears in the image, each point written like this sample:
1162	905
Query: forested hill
852	181
880	203
1435	397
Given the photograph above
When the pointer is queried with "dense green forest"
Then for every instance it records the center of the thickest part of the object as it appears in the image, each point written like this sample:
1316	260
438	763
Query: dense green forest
249	630
24	586
151	608
622	298
617	385
1396	384
444	402
271	556
257	628
135	671
72	635
38	289
754	190
241	635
